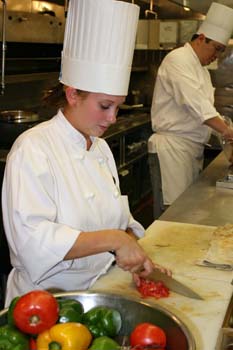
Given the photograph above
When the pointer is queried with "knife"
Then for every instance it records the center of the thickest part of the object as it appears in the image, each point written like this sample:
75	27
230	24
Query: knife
173	284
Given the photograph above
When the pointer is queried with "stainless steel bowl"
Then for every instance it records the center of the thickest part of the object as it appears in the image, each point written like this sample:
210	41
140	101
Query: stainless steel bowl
134	311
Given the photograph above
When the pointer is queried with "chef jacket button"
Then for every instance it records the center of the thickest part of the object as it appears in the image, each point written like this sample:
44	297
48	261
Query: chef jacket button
116	194
101	161
89	195
80	156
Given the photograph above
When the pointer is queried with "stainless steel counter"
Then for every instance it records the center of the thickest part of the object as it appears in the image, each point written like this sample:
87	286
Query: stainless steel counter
202	203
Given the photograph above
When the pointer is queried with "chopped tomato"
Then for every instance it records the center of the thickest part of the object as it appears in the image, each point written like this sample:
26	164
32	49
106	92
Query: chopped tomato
149	288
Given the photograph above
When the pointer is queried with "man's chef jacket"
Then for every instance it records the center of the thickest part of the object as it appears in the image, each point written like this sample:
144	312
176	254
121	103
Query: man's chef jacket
183	100
53	189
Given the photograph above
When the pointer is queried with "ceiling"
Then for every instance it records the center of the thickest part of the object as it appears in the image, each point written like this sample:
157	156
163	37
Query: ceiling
201	5
175	8
170	8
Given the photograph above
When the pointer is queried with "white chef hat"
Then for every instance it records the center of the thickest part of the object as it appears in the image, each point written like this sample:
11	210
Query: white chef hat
218	24
98	45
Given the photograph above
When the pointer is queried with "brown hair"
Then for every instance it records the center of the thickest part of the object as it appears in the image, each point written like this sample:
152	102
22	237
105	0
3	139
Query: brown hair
195	36
56	96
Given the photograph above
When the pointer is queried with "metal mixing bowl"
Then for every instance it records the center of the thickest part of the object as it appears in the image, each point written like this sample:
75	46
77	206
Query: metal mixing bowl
134	311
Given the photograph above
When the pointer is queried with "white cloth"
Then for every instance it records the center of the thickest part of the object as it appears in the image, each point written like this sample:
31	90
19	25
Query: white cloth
180	161
53	189
183	100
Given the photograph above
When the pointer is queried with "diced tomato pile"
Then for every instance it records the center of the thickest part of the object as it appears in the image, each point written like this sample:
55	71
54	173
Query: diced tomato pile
149	288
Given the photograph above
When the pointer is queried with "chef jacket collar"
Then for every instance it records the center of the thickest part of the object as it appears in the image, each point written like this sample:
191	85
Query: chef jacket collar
72	133
189	47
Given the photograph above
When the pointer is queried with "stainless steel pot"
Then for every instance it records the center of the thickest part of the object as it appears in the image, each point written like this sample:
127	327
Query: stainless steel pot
13	123
134	311
18	116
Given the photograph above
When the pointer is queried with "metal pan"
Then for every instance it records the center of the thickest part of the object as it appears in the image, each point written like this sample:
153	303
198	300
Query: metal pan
18	116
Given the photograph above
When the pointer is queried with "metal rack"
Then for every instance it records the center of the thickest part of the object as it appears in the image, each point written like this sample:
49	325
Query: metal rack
225	337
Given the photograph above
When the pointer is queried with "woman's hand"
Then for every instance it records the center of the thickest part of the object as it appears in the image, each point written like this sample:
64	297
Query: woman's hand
144	274
130	256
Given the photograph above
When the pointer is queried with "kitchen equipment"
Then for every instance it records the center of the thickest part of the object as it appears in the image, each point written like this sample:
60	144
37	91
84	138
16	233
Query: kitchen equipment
225	337
134	311
173	284
13	123
3	46
18	116
227	180
130	107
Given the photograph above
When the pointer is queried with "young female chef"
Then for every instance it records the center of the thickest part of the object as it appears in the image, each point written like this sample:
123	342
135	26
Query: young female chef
62	206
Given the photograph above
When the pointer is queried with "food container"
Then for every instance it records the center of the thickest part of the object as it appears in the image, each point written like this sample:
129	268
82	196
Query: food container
134	311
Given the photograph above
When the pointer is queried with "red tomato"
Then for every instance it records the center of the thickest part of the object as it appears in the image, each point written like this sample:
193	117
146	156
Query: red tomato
32	344
149	288
147	334
35	312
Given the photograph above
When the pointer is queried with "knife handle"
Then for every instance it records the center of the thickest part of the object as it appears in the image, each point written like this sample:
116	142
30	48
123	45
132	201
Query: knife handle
113	253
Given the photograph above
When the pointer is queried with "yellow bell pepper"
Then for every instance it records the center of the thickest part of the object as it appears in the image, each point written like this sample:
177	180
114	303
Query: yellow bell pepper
65	336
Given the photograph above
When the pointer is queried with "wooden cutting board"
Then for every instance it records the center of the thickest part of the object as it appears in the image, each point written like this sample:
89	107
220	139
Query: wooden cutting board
177	246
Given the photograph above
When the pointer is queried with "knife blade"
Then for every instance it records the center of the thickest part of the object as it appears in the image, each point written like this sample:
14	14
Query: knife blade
173	284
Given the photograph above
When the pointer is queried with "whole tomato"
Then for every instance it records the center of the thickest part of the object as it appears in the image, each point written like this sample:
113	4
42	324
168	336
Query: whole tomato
147	334
36	311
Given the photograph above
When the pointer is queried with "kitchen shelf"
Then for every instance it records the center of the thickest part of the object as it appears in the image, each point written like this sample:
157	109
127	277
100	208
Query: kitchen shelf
23	78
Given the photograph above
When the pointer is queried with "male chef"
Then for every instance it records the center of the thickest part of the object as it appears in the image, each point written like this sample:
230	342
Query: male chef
183	111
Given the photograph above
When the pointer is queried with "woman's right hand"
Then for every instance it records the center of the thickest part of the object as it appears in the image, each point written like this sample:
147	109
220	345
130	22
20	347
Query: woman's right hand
130	256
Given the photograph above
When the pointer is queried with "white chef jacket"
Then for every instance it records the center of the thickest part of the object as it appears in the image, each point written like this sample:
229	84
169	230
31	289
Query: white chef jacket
183	100
53	189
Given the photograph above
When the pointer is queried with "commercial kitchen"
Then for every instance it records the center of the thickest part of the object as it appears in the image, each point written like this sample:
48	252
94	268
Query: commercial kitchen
32	36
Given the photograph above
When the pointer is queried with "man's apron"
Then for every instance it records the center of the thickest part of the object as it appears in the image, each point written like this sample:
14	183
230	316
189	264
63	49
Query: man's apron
181	162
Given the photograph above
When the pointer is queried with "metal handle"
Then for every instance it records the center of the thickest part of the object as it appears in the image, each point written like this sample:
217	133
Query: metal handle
151	10
135	146
229	87
3	46
22	19
124	172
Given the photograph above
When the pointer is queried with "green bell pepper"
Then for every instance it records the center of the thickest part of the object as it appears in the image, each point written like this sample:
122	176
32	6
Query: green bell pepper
10	318
102	320
104	343
70	310
12	339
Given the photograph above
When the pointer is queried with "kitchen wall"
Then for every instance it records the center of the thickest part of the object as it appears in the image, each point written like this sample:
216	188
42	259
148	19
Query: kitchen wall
34	34
33	55
143	79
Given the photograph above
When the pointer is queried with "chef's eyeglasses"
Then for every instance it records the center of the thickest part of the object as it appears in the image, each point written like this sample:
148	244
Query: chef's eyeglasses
218	48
